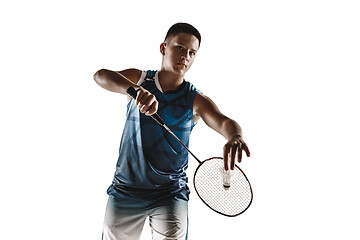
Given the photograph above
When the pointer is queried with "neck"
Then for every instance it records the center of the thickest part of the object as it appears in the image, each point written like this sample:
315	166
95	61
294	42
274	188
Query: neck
170	81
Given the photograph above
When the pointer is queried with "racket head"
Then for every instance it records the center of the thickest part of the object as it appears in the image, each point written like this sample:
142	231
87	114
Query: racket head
208	184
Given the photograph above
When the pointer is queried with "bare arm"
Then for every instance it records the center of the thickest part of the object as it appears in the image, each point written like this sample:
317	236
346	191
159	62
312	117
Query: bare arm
120	81
117	81
205	108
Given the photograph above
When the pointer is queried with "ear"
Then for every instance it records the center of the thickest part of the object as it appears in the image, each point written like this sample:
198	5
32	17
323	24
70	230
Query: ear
162	48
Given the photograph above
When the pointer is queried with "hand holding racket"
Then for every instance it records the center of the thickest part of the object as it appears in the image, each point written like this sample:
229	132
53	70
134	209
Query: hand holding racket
225	191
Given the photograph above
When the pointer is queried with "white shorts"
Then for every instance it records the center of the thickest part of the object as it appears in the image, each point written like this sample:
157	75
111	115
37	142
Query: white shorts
168	219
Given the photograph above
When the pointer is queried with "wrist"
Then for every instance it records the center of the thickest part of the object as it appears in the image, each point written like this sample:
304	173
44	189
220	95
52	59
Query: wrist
236	137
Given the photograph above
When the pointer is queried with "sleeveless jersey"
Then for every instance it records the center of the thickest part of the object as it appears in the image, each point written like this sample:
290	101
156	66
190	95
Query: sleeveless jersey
151	161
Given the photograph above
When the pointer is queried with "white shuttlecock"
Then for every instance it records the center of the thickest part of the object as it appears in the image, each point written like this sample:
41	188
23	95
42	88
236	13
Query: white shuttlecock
226	177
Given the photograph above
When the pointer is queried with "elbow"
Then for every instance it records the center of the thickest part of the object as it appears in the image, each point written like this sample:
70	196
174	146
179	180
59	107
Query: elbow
99	76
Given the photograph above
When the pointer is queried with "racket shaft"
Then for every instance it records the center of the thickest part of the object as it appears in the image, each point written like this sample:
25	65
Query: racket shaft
168	129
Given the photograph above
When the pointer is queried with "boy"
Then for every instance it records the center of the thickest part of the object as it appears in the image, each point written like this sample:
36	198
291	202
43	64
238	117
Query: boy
150	179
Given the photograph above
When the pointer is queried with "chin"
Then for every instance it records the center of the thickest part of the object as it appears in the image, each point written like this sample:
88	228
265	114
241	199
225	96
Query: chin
181	71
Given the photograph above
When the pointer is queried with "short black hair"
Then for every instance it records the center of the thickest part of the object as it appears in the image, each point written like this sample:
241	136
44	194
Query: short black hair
182	28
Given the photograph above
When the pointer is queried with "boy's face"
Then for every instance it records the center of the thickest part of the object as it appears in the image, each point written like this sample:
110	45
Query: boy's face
179	53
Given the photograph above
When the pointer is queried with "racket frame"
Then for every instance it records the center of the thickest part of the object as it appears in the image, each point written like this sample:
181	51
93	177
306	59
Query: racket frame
227	215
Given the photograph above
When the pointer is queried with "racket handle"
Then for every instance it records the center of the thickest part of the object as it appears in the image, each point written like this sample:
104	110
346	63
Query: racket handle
132	92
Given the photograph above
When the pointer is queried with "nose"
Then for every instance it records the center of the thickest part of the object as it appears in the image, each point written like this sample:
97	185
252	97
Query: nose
185	56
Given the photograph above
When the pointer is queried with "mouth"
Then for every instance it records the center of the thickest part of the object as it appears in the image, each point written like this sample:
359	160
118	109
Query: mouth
182	65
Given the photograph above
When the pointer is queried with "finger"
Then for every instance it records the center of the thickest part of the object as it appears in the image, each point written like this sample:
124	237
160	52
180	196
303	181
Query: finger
239	154
144	101
233	155
145	104
153	109
226	157
246	149
151	105
139	96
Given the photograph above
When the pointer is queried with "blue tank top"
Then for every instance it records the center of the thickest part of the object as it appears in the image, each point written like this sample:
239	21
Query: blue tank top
151	162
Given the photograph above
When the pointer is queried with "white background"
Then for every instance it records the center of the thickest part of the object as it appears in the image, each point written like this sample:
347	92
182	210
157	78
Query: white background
287	71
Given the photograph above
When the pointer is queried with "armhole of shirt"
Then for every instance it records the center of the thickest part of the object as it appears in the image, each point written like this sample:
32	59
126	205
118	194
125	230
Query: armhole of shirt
156	80
196	92
157	83
142	78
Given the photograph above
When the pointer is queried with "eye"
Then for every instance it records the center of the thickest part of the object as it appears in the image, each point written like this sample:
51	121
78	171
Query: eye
192	54
180	47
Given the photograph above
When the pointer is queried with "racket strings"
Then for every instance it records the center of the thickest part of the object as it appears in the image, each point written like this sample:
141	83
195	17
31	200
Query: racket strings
230	201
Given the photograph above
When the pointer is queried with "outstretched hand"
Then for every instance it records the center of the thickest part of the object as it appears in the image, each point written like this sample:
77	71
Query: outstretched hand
233	150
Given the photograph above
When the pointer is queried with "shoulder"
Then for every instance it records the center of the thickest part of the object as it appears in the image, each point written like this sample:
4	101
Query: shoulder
132	74
203	103
201	100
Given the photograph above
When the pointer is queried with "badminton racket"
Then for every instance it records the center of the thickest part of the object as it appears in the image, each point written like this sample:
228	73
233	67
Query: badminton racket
226	192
